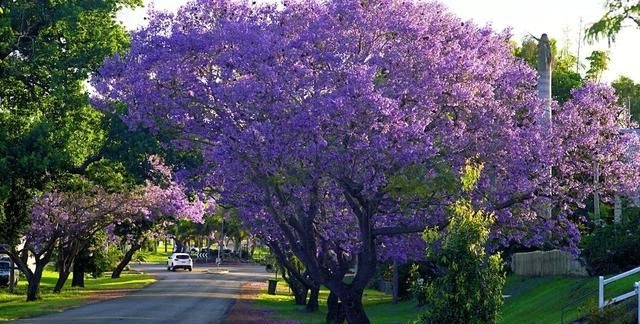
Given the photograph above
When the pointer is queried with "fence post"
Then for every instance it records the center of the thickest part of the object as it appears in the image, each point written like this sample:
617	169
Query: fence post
600	292
637	288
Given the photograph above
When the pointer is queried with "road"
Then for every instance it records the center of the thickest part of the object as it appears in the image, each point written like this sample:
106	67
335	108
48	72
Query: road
177	297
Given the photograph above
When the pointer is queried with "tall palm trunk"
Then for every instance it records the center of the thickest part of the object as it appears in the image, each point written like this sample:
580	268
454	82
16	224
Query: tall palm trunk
545	67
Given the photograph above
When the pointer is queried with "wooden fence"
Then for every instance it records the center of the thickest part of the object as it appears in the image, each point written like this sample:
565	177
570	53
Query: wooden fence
547	263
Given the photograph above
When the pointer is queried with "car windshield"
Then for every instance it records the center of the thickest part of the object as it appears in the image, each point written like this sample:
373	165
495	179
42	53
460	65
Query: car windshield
182	256
4	266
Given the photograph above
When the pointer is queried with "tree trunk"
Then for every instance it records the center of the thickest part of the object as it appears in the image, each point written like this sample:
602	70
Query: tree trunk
236	245
68	254
353	308
165	246
12	276
335	312
299	289
312	304
178	246
78	273
62	279
64	271
33	288
79	266
396	283
300	292
125	260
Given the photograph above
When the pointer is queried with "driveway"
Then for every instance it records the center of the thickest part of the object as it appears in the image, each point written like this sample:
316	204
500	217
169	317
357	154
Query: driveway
177	297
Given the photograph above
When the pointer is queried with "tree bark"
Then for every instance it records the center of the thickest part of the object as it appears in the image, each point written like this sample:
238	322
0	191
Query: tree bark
312	304
33	288
178	246
335	312
63	275
125	260
78	273
396	283
299	289
67	258
353	308
79	266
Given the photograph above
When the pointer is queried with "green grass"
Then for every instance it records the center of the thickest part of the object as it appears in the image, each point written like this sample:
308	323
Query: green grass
533	300
377	305
13	306
540	300
154	257
261	254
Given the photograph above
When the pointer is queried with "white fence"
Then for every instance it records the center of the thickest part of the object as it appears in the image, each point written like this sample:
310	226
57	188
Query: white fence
635	292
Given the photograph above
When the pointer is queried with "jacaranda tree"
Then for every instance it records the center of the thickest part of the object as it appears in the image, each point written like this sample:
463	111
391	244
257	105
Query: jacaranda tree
157	204
340	128
63	219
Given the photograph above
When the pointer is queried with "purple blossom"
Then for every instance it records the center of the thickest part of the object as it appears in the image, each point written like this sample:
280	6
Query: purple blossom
304	115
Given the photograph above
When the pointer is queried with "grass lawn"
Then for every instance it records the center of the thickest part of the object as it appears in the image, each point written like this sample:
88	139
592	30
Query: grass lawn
377	304
13	306
533	300
154	257
541	300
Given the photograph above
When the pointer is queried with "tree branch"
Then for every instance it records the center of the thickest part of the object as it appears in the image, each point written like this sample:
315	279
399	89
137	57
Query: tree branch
397	230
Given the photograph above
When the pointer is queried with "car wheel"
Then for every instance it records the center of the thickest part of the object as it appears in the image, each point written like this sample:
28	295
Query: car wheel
168	268
173	269
190	269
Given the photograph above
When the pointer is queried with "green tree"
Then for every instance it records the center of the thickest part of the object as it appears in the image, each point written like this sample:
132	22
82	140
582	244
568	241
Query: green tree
617	12
469	286
628	95
469	289
48	130
598	63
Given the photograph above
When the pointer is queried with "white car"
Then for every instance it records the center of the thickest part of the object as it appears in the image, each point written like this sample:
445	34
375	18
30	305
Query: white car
5	273
179	260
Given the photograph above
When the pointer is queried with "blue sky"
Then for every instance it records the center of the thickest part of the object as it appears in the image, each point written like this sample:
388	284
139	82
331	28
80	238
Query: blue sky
558	18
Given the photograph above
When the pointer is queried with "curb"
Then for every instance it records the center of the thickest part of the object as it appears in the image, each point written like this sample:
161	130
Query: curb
216	271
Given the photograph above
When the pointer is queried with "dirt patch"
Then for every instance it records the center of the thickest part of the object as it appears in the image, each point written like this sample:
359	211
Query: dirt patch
243	311
100	295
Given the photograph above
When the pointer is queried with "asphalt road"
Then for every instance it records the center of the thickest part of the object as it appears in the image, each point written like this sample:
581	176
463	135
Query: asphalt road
177	297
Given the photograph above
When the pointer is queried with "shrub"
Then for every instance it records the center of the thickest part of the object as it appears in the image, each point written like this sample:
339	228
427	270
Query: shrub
623	313
98	263
469	287
417	285
613	248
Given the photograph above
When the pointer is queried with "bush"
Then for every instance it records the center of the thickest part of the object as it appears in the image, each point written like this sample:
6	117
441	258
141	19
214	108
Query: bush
98	263
613	248
469	287
623	313
417	285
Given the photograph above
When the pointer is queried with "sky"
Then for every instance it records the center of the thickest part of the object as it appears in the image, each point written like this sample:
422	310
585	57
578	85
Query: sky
560	19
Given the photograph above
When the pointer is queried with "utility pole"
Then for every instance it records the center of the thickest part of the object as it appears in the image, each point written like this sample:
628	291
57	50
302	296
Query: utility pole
579	45
545	68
